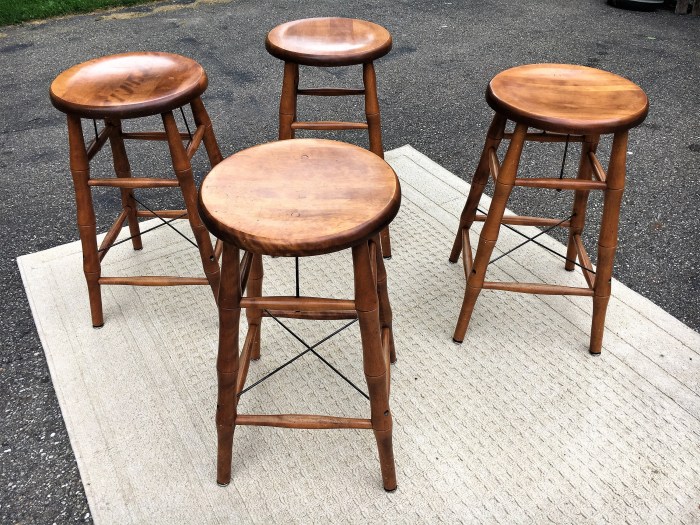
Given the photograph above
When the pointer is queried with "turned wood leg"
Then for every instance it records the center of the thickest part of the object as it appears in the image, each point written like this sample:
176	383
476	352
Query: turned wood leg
183	171
578	219
227	361
607	242
254	315
375	367
374	128
201	118
489	233
123	170
80	171
288	100
479	181
385	315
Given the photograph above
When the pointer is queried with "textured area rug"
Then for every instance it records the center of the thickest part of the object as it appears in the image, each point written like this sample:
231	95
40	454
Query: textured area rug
517	425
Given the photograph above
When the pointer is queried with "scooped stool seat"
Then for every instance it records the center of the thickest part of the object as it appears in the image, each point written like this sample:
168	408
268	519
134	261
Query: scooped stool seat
331	42
301	198
568	103
129	86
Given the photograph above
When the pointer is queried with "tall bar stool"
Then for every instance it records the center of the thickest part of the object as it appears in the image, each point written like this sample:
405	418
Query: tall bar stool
331	42
568	103
129	86
301	198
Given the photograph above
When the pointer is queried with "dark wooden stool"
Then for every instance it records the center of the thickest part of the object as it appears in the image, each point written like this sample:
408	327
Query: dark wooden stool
300	198
568	103
331	42
129	86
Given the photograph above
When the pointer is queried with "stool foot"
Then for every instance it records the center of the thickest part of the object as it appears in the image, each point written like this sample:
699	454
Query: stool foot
457	342
97	326
391	490
593	352
223	484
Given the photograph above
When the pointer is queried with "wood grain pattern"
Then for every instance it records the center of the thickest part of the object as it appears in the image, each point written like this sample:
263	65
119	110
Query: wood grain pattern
299	197
570	101
128	85
328	42
567	98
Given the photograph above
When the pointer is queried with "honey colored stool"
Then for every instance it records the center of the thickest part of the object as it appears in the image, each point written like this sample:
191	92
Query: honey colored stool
300	198
129	86
568	103
331	42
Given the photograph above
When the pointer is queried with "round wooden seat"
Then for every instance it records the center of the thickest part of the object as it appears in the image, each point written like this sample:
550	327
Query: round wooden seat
299	197
566	98
128	85
328	42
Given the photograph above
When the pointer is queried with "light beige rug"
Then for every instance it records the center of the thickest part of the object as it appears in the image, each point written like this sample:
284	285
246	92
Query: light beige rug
517	425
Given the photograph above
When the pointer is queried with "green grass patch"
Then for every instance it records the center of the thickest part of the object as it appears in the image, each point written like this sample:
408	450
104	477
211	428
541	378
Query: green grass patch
16	11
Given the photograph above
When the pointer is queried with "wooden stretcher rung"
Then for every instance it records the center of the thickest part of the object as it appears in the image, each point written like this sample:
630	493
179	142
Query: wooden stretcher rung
151	135
154	280
135	182
523	220
561	184
301	304
546	137
598	171
196	141
307	421
467	260
245	358
494	164
112	235
537	288
585	261
95	145
330	92
165	214
329	125
331	315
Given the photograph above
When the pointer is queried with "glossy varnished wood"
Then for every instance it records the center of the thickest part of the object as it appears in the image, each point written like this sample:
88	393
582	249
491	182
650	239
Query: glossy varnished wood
299	197
576	100
567	98
128	85
328	41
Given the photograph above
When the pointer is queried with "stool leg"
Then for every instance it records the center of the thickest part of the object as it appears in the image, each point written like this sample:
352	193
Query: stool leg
201	118
479	181
578	219
254	289
366	303
385	315
183	171
80	171
607	242
288	100
123	170
489	233
374	127
227	360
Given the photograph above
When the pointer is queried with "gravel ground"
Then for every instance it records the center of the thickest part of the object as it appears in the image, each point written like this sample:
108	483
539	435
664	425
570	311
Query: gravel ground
431	93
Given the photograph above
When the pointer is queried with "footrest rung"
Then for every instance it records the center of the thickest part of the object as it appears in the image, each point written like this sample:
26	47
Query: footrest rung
301	304
561	184
134	182
537	288
165	214
330	92
154	280
329	125
311	316
307	421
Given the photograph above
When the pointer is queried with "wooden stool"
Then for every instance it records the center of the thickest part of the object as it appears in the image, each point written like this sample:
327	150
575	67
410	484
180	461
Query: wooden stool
300	198
331	42
568	103
128	86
